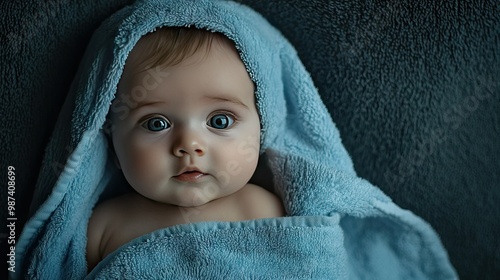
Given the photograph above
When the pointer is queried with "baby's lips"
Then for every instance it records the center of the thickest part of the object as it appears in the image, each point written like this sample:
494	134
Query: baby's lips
190	176
188	169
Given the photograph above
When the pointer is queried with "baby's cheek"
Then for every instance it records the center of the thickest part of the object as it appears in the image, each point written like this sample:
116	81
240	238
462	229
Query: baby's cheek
143	166
248	151
242	160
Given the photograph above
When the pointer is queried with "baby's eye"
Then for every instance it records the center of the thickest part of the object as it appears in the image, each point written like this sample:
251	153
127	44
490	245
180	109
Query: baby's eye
156	124
220	121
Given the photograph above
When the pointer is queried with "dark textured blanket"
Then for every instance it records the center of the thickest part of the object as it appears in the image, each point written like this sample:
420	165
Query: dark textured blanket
412	86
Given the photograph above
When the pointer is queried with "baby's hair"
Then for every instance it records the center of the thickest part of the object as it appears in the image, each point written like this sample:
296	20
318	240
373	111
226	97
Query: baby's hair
169	46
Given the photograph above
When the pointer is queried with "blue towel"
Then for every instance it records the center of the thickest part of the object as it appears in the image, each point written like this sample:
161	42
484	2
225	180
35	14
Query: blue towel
338	226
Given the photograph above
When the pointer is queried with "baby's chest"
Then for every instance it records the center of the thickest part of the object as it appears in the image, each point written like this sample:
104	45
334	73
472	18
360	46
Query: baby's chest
128	226
143	219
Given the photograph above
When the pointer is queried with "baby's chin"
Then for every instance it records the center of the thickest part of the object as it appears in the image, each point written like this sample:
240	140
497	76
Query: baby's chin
193	203
190	199
191	196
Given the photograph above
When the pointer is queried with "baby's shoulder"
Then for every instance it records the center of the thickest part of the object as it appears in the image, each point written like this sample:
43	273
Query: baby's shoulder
102	218
115	206
114	211
258	203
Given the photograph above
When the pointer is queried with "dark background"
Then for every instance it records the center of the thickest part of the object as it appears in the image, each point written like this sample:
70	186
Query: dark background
413	86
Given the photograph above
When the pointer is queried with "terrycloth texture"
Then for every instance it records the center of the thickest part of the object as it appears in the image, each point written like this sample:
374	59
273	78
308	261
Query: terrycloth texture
342	44
255	250
341	225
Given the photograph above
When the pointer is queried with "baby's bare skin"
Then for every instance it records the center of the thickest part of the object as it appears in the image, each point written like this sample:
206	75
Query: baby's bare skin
122	219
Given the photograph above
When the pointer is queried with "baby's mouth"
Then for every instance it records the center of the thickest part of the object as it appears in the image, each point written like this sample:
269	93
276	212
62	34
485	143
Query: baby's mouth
190	176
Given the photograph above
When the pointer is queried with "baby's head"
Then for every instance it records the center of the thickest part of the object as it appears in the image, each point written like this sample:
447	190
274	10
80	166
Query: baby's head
185	128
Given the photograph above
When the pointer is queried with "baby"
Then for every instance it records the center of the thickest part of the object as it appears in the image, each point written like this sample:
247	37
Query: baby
185	131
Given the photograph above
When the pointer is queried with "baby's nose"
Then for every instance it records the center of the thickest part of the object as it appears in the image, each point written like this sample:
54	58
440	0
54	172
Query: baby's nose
181	151
189	143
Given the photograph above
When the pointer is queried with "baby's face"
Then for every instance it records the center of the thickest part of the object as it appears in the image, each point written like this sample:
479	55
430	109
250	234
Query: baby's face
187	134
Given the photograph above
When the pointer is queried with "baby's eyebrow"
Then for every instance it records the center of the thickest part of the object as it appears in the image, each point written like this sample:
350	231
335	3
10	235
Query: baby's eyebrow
227	99
145	104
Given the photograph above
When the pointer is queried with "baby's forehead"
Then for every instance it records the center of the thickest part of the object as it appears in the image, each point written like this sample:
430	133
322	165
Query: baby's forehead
144	66
212	67
170	46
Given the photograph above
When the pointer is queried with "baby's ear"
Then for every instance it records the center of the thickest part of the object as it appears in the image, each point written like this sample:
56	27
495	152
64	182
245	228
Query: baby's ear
108	131
112	153
115	159
107	127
